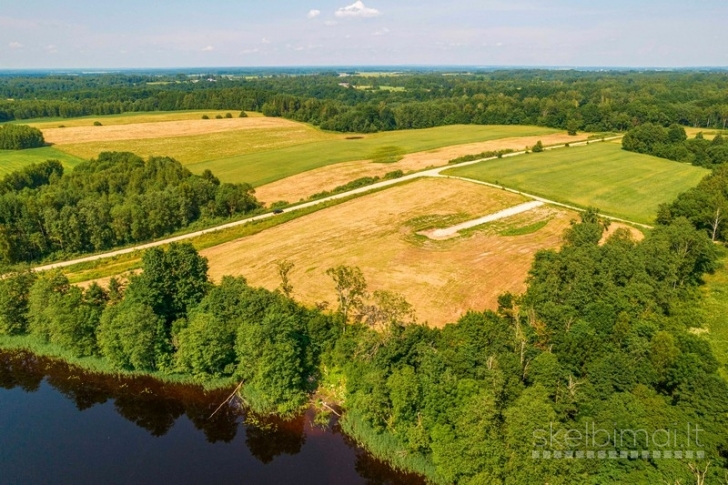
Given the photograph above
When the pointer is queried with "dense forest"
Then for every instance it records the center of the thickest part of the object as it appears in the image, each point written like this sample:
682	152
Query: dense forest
573	100
113	200
601	338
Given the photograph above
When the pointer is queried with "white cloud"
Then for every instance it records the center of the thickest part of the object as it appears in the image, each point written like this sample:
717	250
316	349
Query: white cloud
15	45
330	23
382	31
312	14
209	48
51	49
264	41
357	9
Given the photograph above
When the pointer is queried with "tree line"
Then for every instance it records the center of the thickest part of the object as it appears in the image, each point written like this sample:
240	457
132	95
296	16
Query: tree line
113	200
673	143
589	101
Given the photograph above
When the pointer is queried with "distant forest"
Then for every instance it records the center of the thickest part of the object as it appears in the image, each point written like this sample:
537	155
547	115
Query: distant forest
573	100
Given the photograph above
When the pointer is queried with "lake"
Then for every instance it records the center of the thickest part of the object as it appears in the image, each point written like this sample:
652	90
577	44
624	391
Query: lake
61	425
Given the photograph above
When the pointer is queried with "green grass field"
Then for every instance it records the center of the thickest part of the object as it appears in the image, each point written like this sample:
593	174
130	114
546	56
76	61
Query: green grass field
270	165
620	183
715	294
12	160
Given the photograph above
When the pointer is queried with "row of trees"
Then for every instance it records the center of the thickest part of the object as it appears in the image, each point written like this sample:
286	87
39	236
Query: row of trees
20	137
113	200
672	143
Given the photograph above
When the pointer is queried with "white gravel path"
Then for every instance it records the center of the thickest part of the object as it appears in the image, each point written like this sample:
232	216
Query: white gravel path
511	211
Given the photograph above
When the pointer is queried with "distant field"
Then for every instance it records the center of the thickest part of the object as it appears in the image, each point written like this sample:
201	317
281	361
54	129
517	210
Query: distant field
130	118
377	232
12	160
268	166
205	139
305	184
602	175
256	150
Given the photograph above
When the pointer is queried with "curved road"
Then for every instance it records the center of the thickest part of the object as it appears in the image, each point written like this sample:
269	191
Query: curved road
434	172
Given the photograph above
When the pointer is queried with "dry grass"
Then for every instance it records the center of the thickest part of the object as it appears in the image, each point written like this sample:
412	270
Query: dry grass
192	141
301	186
162	129
132	118
442	279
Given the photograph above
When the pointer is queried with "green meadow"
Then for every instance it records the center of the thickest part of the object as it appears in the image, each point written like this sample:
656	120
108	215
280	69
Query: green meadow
619	183
268	166
12	160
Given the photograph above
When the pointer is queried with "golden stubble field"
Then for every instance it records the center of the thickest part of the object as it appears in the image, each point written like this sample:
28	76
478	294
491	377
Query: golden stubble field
442	279
188	141
303	185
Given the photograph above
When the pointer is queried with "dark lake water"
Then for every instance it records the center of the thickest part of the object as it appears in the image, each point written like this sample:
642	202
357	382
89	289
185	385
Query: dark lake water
59	425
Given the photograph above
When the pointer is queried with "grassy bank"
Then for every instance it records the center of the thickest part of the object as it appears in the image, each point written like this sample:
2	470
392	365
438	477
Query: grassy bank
386	447
97	365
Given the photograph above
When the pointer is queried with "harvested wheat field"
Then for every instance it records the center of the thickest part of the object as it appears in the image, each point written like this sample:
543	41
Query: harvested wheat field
303	185
163	129
219	139
441	279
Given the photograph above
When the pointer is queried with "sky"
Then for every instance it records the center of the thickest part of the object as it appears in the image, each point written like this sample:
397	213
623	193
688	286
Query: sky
37	34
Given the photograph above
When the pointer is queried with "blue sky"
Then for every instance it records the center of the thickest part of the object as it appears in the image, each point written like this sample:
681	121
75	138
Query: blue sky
186	33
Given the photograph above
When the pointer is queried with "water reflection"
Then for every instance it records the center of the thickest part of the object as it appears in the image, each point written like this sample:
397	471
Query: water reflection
304	453
150	404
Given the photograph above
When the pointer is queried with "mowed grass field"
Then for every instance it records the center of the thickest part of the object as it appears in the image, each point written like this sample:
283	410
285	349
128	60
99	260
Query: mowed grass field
265	167
12	160
715	293
256	150
620	183
377	232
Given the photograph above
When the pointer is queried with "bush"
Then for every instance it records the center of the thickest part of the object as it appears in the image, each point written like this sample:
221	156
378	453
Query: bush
243	114
20	137
538	147
218	117
205	117
228	115
97	123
